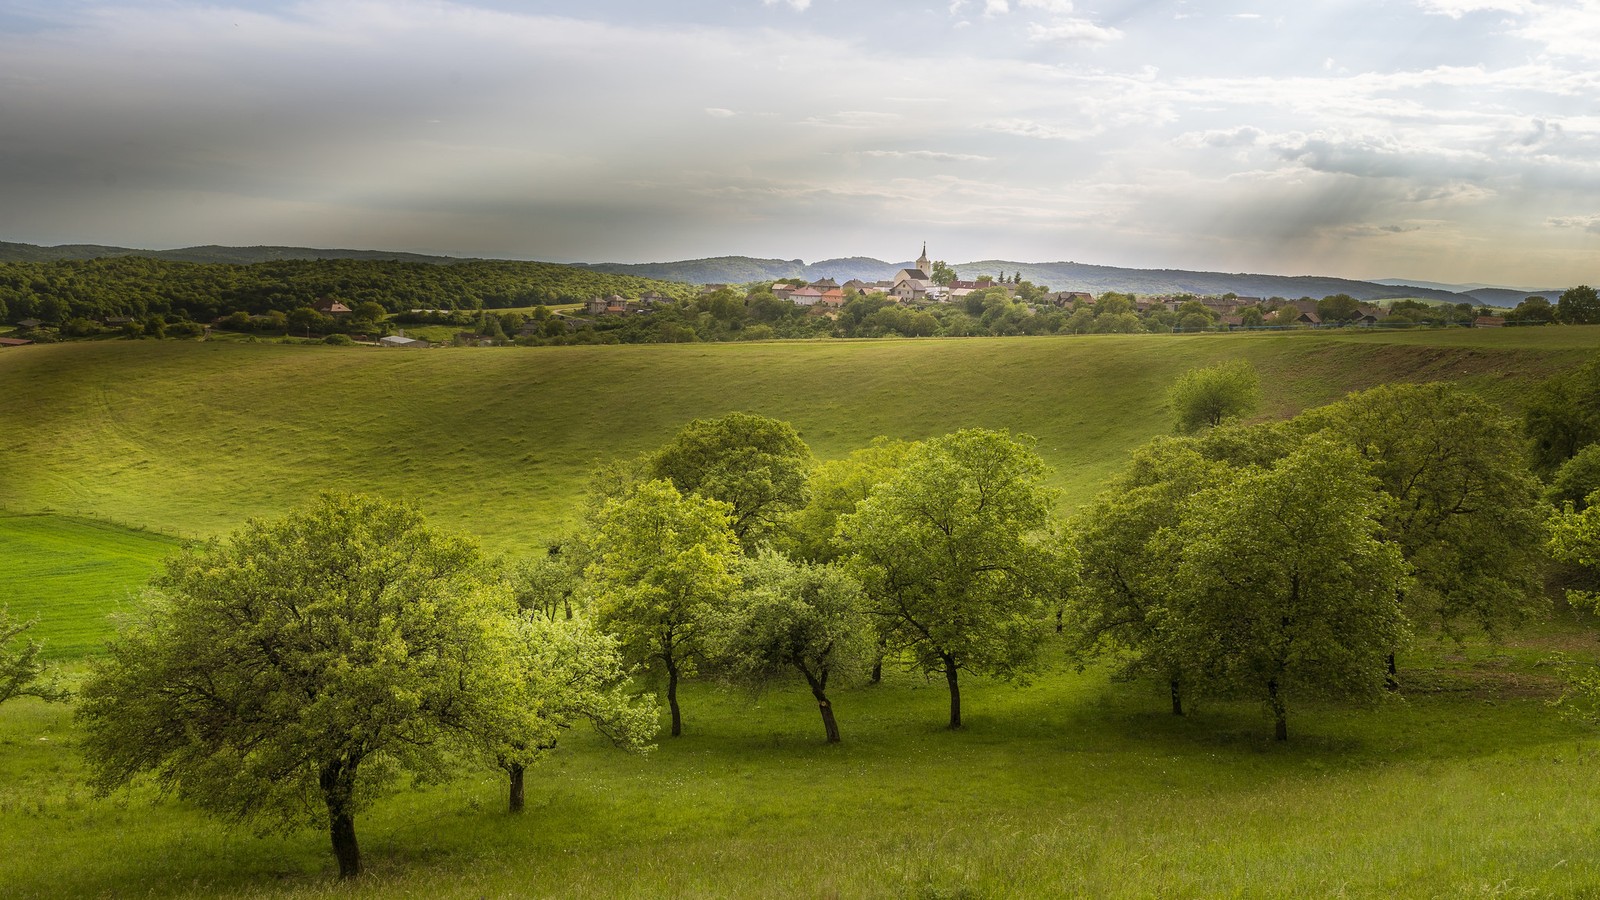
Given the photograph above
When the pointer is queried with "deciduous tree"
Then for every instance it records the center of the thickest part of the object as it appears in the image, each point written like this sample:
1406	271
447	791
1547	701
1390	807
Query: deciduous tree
1204	398
756	465
658	561
299	664
1286	586
22	672
793	618
944	551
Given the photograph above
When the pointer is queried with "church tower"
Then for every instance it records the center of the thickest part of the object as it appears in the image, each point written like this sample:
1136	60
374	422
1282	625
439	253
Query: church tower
922	261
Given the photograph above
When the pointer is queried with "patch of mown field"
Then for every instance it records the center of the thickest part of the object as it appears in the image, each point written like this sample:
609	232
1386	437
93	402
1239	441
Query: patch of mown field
193	437
1073	785
72	575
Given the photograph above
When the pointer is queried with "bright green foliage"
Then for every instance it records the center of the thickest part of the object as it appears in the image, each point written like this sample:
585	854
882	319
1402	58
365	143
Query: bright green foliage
299	664
1338	308
794	617
556	673
659	560
1466	516
945	551
1286	587
834	489
546	585
1205	398
1121	605
1562	416
1577	478
22	672
756	465
1575	539
1579	306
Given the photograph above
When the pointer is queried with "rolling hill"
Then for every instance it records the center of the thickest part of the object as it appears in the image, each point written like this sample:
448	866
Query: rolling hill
1061	276
193	437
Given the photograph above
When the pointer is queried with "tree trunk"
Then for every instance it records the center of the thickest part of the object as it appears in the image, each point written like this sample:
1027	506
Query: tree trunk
337	780
1391	680
1280	714
672	698
516	771
1177	697
877	661
818	690
955	689
1059	612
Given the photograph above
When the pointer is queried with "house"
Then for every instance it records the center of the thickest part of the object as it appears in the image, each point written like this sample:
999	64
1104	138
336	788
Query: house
1308	318
806	296
29	323
833	297
1068	299
1489	322
331	307
652	298
395	340
824	285
783	290
14	342
119	321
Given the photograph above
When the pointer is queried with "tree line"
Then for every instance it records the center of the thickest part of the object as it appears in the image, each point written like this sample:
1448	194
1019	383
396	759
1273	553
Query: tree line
291	672
139	287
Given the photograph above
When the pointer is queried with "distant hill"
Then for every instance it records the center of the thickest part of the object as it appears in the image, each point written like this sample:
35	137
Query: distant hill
1493	295
1060	276
211	253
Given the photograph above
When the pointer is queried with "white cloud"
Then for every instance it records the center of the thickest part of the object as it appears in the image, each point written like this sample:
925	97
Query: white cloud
1072	31
799	5
1586	223
1455	9
1031	129
718	112
1058	7
936	155
992	8
1566	30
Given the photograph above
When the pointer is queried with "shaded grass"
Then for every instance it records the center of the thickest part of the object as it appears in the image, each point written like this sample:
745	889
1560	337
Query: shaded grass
195	436
1071	786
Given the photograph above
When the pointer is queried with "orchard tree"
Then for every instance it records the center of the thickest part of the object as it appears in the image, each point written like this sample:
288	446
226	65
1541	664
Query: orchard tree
945	551
793	618
1577	478
1205	398
659	561
834	489
22	672
1562	416
556	673
1579	306
1286	586
298	664
756	465
1575	539
1338	308
1464	514
1122	603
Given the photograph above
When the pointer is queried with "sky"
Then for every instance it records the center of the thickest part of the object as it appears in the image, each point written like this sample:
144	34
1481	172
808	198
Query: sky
1448	140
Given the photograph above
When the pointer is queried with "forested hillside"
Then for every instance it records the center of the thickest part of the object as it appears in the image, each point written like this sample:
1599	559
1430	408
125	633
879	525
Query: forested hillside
138	286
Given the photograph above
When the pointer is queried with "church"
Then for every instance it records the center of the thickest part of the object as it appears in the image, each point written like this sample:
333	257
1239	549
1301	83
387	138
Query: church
917	284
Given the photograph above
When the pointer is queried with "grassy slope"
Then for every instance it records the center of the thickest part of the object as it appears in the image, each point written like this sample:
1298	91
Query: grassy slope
1070	786
70	574
192	437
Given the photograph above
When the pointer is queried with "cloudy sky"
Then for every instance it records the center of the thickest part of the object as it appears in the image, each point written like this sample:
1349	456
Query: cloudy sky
1451	140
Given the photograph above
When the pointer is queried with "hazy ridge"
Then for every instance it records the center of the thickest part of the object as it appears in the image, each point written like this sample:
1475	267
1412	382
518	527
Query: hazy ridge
1061	276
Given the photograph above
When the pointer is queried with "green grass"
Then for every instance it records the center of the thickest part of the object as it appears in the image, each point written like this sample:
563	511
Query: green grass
1071	786
72	574
193	437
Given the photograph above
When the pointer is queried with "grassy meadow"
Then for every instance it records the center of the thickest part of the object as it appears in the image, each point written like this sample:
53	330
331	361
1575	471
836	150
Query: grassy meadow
1464	785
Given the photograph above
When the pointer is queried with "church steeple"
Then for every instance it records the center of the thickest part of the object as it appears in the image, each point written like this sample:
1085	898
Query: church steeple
922	261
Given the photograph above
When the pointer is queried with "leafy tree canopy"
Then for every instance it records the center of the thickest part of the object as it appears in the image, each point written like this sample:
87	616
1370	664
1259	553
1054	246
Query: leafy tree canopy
289	673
